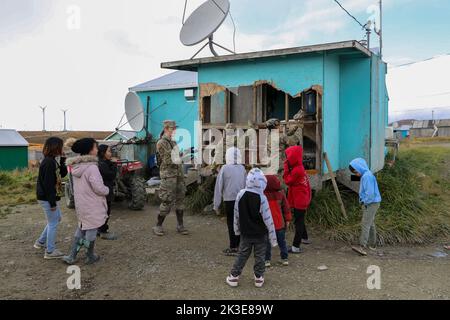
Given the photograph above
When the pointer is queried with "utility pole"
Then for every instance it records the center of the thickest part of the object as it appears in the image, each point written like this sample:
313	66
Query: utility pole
65	111
381	29
43	117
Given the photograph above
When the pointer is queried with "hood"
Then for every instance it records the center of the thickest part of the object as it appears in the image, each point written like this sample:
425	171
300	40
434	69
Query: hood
79	164
233	156
256	181
294	155
273	184
360	165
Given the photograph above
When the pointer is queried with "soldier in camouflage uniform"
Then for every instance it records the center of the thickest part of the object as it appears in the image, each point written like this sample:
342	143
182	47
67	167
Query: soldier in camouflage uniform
293	136
172	189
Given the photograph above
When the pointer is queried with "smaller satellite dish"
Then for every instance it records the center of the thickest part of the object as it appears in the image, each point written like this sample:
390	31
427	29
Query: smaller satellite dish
134	110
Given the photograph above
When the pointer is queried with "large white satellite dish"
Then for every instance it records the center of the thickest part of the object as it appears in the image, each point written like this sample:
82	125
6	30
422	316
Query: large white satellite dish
134	110
202	24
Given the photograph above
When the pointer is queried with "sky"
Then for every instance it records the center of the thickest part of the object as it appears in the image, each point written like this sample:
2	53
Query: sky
83	55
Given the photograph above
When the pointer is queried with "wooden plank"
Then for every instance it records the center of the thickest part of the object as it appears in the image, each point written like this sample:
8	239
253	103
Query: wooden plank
335	186
286	110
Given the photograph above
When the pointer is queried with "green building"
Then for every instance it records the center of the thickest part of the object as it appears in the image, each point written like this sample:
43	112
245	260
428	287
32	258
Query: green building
13	150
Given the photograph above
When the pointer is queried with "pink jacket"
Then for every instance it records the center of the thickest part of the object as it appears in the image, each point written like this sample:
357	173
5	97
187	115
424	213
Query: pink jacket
89	192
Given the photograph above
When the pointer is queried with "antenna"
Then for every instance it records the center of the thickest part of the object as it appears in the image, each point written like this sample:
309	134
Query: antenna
43	117
202	24
64	111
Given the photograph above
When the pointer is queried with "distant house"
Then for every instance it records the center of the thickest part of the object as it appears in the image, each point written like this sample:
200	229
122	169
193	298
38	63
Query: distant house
172	96
13	150
427	128
121	135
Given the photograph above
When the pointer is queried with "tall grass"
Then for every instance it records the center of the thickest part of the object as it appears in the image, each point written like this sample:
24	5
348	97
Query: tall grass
17	187
415	207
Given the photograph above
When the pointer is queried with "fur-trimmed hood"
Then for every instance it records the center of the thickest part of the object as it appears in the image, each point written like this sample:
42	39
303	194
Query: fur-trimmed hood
79	164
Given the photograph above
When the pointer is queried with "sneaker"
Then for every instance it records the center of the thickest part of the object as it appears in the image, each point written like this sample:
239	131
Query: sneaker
268	264
306	241
259	282
108	236
373	248
56	254
295	250
182	230
232	281
38	245
159	231
284	262
360	250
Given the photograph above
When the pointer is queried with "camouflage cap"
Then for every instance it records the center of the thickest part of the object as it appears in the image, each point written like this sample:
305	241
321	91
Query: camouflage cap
272	123
170	124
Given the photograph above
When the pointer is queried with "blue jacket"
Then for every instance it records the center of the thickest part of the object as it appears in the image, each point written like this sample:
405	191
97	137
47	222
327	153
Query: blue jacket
368	190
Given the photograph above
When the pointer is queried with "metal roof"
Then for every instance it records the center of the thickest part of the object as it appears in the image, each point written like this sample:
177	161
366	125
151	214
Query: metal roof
428	124
11	138
404	127
174	80
124	133
194	63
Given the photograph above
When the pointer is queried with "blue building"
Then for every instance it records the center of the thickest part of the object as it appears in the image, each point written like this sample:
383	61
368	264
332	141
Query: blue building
173	96
340	86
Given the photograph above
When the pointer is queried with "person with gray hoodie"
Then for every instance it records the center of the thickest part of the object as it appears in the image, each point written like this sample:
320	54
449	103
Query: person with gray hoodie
254	223
230	180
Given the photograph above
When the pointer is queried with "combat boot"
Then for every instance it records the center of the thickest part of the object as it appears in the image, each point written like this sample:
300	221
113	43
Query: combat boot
180	226
158	229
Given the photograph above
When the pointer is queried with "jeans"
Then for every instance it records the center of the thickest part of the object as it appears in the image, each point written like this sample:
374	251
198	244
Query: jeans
300	227
48	236
234	239
89	235
368	229
281	239
247	244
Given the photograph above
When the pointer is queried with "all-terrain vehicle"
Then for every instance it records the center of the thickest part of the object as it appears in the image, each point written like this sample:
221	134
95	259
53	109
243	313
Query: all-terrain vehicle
129	185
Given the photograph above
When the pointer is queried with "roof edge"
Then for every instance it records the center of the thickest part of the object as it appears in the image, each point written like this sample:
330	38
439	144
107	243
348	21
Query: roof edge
194	63
161	88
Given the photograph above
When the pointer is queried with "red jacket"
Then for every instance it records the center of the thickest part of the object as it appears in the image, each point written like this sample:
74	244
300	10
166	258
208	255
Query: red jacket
279	206
295	177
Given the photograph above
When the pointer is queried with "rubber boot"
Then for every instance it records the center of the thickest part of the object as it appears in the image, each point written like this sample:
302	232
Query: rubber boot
76	246
91	257
180	226
158	229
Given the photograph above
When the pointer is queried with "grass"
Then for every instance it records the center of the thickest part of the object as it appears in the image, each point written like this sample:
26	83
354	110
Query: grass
416	201
16	188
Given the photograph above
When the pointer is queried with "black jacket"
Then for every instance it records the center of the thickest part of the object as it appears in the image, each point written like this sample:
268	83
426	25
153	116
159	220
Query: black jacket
108	171
49	187
250	219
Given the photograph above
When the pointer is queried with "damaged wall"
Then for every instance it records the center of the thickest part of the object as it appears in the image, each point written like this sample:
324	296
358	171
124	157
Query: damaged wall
289	74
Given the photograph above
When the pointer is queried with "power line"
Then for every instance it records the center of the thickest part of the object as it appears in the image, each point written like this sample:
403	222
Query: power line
352	16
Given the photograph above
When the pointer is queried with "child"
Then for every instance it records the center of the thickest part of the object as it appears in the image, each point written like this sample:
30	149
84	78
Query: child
370	197
90	198
299	192
230	181
48	192
108	171
281	215
253	222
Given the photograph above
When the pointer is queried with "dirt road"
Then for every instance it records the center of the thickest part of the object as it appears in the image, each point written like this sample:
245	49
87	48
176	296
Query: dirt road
142	266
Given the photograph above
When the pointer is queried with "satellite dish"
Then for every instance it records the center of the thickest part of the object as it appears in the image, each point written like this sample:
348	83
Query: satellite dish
202	24
134	110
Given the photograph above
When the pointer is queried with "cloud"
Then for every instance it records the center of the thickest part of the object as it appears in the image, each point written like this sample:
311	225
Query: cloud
122	41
